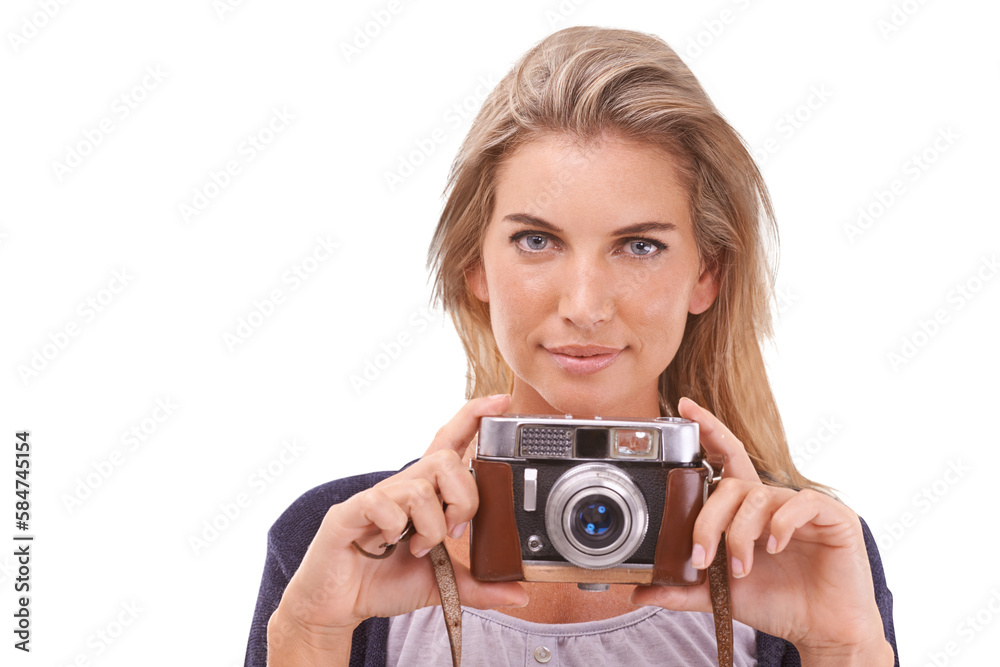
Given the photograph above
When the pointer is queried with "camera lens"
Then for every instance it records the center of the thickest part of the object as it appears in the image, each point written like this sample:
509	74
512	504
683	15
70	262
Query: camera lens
598	522
596	516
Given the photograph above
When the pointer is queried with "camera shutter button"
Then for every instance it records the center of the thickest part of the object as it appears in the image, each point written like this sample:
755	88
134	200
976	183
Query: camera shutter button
542	654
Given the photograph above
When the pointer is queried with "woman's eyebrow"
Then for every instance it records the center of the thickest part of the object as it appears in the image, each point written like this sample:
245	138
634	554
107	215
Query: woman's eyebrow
628	230
645	228
532	221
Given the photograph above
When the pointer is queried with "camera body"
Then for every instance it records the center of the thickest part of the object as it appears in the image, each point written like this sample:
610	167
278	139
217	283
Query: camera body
587	501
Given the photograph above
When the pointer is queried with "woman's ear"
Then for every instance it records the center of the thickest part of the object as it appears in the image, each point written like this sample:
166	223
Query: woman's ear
475	277
705	290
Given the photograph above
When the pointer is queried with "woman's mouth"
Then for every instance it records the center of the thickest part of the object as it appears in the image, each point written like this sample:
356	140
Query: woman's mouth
583	359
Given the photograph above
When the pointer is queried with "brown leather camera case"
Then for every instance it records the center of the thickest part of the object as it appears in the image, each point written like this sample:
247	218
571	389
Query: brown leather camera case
496	547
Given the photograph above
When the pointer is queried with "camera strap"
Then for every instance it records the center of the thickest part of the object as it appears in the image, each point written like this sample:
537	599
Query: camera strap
718	579
444	575
718	587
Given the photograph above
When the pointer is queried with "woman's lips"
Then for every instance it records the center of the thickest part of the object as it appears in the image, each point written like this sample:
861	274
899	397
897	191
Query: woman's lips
584	359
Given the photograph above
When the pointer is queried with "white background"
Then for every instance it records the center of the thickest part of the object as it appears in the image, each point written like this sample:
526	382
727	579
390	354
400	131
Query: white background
892	429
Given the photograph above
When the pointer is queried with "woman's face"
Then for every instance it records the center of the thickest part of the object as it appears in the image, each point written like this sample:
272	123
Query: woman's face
590	268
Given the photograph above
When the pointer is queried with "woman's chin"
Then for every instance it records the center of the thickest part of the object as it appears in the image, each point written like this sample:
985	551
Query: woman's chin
597	405
603	397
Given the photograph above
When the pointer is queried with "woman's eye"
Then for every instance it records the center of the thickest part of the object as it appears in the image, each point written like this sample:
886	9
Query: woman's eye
533	242
643	247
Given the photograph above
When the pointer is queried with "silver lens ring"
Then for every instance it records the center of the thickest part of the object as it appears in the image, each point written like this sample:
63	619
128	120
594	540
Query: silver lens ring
614	487
618	516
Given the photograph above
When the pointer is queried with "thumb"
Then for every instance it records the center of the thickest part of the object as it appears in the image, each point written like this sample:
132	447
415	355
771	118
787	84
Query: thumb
718	440
458	433
488	595
676	598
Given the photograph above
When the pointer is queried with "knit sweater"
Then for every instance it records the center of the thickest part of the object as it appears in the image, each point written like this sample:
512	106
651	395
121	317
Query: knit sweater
292	533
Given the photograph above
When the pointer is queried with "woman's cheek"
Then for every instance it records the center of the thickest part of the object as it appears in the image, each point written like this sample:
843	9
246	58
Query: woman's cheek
511	323
520	298
660	327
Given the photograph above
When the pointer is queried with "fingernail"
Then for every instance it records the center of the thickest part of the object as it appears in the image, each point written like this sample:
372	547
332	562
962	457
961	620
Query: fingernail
422	553
737	567
458	530
772	545
495	397
698	557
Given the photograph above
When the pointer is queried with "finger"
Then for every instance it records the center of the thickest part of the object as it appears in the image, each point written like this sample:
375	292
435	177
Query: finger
677	598
419	499
455	486
834	523
458	433
369	513
718	440
459	513
715	517
750	522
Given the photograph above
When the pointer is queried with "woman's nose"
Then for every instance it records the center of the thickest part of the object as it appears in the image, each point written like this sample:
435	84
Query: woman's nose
586	293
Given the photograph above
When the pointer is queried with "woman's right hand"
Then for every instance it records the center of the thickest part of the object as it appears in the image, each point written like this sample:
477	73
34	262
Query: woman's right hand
336	587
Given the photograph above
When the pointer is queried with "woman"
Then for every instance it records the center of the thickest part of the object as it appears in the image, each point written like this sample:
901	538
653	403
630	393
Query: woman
602	251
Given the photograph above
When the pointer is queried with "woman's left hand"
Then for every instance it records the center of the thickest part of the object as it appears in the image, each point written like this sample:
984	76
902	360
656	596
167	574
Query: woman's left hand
798	564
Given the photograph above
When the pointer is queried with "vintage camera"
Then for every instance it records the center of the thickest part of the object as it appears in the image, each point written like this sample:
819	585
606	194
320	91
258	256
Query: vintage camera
589	501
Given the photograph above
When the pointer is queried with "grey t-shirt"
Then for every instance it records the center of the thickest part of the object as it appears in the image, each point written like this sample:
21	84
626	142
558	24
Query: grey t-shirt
645	637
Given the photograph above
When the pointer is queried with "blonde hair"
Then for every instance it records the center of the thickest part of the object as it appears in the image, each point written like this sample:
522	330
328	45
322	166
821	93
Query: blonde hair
588	82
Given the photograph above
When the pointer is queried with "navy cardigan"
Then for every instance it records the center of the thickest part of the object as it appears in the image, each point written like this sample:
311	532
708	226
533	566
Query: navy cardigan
292	533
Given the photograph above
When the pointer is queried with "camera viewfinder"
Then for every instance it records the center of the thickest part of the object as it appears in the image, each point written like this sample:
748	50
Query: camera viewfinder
634	443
